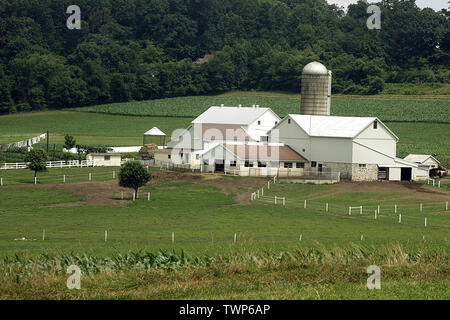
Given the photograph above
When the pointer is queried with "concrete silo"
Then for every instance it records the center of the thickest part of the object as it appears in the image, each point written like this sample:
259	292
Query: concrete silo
316	90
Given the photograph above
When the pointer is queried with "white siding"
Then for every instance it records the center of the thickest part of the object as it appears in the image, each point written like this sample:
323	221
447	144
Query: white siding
338	150
379	139
367	155
268	120
292	135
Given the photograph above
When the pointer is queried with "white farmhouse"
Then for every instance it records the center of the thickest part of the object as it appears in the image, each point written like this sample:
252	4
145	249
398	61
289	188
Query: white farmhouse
360	148
218	125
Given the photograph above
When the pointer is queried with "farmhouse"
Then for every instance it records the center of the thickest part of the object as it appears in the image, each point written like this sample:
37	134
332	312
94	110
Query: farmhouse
255	141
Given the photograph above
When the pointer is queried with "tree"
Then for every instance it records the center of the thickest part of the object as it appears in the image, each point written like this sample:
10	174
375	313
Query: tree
69	142
133	175
36	159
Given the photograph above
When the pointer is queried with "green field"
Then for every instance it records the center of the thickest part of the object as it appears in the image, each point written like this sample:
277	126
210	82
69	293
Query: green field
204	220
268	260
385	108
429	133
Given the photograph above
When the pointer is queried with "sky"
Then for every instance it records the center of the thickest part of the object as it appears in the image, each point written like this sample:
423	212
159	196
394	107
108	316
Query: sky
435	4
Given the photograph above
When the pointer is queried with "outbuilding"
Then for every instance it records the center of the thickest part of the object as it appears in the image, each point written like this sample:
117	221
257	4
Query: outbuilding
105	159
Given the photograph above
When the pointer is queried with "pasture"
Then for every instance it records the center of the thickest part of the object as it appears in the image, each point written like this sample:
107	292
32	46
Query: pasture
212	217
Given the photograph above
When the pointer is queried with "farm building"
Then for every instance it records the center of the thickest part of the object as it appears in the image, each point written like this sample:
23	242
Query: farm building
105	159
154	136
425	161
361	149
242	140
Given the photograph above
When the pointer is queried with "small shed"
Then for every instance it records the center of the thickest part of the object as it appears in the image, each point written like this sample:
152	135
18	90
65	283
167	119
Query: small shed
154	136
424	160
105	159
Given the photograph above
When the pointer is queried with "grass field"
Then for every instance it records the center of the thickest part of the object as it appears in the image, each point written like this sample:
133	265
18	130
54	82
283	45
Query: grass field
205	214
387	108
268	259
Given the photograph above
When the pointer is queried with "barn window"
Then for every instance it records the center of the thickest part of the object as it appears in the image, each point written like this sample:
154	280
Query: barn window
197	157
264	138
259	123
262	165
276	122
363	166
232	163
313	164
107	158
248	164
289	121
206	162
288	165
169	156
299	165
375	125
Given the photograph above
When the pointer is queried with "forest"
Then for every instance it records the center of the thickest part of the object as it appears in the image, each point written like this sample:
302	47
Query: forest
146	49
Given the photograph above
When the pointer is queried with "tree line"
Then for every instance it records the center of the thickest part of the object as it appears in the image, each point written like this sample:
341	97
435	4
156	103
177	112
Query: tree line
145	49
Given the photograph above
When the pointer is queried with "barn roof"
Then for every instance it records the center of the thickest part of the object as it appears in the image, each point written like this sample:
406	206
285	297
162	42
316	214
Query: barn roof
154	132
331	126
231	115
420	158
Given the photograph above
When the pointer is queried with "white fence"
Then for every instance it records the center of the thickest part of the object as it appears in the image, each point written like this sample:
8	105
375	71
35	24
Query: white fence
50	164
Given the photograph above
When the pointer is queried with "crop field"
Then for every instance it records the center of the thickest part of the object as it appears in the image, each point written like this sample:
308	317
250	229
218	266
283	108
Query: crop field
385	108
213	221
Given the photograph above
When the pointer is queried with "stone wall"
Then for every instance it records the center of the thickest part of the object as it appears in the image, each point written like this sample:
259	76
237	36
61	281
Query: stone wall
370	173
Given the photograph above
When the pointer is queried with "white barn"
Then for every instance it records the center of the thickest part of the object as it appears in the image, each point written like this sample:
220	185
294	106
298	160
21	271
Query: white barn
361	148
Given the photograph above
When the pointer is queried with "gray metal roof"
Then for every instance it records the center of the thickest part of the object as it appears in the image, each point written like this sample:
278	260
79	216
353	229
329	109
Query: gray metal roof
231	115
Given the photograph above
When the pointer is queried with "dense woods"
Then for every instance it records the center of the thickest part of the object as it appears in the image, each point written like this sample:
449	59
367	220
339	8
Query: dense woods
145	49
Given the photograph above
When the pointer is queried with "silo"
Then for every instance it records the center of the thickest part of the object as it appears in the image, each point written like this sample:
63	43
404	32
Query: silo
316	90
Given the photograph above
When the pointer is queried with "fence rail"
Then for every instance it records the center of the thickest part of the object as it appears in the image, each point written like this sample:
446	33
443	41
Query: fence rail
50	164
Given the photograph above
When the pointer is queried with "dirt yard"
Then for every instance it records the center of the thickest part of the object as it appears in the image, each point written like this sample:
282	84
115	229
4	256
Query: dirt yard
109	193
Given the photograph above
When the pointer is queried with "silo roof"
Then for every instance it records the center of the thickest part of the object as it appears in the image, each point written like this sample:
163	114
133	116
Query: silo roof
154	132
315	68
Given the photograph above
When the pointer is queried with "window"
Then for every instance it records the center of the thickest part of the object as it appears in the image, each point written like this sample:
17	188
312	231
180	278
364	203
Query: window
206	162
300	165
276	122
264	138
304	150
313	164
375	125
232	163
288	165
169	156
107	158
262	165
181	155
289	121
248	164
197	157
363	166
259	123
